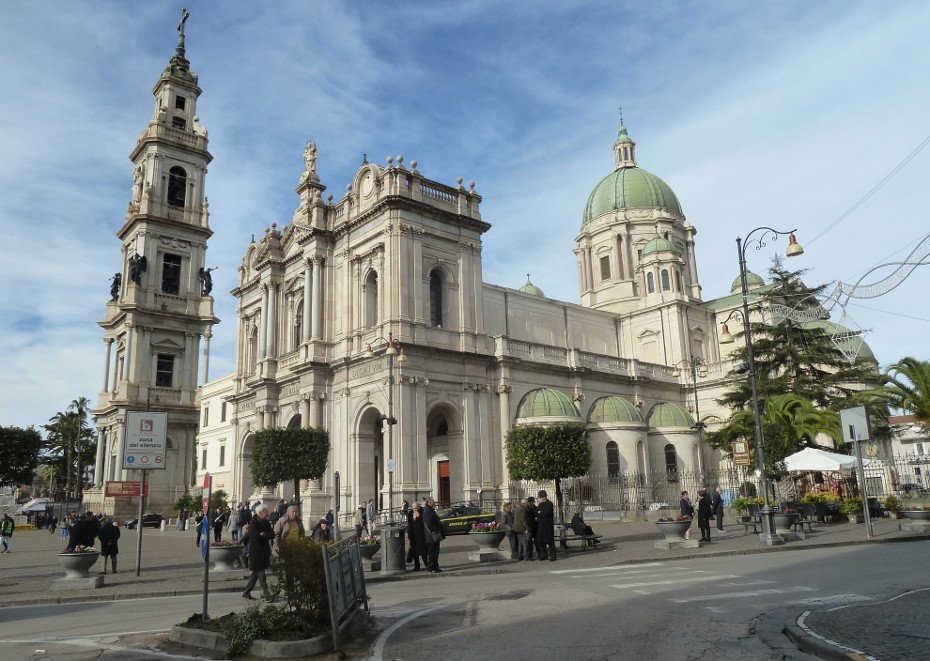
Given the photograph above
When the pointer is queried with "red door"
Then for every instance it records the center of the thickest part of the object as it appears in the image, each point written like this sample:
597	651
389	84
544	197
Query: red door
443	473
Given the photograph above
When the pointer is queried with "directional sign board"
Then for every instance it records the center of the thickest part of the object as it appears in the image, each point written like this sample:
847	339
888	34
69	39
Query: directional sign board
855	424
144	440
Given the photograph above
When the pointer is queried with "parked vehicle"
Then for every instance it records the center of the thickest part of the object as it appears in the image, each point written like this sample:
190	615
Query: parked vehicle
911	487
460	518
150	520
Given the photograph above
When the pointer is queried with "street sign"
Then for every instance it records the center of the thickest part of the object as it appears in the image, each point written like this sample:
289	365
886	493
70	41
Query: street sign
390	465
740	452
205	536
855	424
207	492
124	489
144	440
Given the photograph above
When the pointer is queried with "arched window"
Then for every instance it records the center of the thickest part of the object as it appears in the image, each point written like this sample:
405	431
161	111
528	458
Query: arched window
613	461
650	283
671	463
298	324
253	351
666	285
677	280
177	182
435	298
371	299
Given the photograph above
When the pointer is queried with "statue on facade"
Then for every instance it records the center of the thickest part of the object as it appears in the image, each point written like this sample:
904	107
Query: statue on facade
137	265
117	280
206	281
310	155
138	176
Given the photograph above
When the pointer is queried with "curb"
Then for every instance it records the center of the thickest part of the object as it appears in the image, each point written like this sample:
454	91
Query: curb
819	647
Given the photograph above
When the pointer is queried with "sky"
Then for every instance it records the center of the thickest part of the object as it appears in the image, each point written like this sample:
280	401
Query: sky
782	114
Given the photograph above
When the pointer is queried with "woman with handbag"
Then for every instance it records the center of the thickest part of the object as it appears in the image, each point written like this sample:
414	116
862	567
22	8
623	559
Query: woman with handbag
416	533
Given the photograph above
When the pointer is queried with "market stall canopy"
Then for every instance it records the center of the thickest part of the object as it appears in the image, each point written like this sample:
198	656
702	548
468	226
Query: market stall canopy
37	505
812	459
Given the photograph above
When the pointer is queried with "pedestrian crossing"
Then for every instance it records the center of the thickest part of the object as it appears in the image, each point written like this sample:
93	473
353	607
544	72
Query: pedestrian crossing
680	584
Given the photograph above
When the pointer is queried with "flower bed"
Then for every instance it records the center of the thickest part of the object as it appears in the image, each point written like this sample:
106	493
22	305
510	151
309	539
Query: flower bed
492	526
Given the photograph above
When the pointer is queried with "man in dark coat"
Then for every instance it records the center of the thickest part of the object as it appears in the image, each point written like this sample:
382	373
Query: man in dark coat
716	503
416	534
545	527
432	529
521	531
531	519
508	520
83	532
704	510
109	544
260	535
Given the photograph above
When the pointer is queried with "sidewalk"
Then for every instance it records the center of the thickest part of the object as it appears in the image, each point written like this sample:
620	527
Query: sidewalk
171	565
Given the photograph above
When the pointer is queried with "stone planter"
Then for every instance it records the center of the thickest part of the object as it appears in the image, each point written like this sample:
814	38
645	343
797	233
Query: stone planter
487	541
225	558
915	515
674	530
77	565
368	550
784	521
856	518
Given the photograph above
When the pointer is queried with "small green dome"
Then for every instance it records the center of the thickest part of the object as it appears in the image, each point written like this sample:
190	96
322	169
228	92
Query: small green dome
669	415
613	409
658	244
530	288
752	281
546	403
628	188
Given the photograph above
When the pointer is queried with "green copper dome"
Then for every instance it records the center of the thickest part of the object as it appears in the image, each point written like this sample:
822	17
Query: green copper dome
752	281
628	188
669	415
659	244
530	288
546	403
846	340
613	409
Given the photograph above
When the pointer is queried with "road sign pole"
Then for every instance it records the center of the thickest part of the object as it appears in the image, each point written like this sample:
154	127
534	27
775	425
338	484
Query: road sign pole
205	531
139	525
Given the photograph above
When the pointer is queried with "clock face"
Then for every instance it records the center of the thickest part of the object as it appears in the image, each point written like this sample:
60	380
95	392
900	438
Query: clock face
367	185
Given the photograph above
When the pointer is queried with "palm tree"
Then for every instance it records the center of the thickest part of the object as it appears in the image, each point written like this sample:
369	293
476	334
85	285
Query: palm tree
907	388
79	406
62	430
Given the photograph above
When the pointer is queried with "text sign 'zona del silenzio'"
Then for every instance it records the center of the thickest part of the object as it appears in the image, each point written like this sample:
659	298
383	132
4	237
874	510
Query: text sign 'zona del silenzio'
144	440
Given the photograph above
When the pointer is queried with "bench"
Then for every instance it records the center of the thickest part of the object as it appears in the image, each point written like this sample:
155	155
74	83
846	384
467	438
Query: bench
755	525
800	523
571	536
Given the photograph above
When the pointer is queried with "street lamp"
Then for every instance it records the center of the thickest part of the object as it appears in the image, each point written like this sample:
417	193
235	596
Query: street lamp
768	537
698	369
393	349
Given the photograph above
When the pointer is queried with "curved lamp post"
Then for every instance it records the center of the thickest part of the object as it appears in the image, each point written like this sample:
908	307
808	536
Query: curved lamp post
393	351
768	537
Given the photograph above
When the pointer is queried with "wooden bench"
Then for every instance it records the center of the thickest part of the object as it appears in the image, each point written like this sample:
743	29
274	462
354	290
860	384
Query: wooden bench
799	524
571	536
755	525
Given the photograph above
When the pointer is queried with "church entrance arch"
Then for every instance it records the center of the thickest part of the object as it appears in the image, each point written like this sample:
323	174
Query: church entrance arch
369	458
446	455
246	488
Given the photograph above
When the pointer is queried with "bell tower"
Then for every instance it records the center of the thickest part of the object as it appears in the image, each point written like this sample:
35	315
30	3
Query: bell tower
160	305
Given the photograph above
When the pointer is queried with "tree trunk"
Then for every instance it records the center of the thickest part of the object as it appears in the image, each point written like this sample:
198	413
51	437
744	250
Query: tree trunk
297	495
561	507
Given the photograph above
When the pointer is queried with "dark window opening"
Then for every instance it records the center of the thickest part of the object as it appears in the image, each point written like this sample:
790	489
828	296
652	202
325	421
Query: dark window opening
666	285
613	460
179	102
164	370
223	412
605	268
677	280
171	274
671	463
650	283
178	122
435	299
177	181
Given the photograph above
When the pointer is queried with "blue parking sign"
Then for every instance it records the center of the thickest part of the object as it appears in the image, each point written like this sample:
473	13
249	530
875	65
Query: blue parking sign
205	537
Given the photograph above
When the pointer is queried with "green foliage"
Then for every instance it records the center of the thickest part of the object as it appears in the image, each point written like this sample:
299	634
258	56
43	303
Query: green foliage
740	504
282	454
892	504
853	505
187	502
299	569
19	455
818	498
906	387
549	452
218	499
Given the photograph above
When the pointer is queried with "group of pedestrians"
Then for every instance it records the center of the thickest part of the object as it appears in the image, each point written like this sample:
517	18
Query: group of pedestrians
531	527
86	530
707	507
424	535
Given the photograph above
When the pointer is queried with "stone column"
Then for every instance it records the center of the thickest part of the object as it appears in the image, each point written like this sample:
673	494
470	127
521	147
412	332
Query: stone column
308	303
127	353
272	329
317	318
263	326
206	358
106	364
102	440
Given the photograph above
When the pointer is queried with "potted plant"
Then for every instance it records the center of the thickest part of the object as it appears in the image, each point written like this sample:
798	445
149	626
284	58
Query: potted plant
741	505
78	561
488	536
785	518
853	509
674	528
916	513
368	546
893	505
225	556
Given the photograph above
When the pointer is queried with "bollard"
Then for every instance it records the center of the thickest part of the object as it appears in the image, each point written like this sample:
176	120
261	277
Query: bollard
163	524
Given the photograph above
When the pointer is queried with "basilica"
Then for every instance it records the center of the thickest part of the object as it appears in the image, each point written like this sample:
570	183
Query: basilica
369	315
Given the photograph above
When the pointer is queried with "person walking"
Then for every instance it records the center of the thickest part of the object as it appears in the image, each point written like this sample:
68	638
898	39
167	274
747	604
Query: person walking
360	521
260	536
233	525
416	533
219	522
687	509
371	516
7	525
109	543
545	528
717	504
508	521
52	524
182	519
288	527
531	518
199	521
704	509
432	529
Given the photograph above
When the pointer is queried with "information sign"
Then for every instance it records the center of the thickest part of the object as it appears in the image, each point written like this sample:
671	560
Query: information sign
144	440
124	489
740	452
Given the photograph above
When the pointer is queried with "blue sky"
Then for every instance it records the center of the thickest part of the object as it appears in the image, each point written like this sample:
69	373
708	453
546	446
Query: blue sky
768	113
